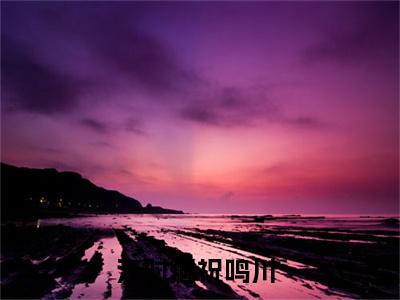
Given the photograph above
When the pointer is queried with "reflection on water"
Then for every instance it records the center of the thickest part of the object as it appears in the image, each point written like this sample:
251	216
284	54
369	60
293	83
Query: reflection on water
106	284
195	234
282	288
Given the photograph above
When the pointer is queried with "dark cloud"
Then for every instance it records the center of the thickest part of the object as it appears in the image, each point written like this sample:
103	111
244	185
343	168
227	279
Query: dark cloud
123	52
208	113
306	122
29	84
375	37
97	126
35	81
131	125
202	114
232	98
228	107
123	48
234	107
142	59
134	126
102	144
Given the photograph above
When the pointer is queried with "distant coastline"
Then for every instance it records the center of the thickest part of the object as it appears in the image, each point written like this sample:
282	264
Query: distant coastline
29	193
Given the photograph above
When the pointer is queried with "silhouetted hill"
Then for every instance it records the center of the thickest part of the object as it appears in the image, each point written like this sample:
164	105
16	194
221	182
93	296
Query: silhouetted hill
46	192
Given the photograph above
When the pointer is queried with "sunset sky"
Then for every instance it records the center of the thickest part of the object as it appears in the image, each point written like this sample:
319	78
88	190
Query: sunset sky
267	107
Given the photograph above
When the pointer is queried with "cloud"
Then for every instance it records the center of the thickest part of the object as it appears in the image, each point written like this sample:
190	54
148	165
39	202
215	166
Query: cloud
29	84
131	125
134	126
201	114
373	38
307	122
141	58
114	49
97	126
125	50
122	52
228	107
101	144
238	107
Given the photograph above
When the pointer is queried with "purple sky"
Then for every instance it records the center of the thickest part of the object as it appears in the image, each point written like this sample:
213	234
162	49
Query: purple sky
270	107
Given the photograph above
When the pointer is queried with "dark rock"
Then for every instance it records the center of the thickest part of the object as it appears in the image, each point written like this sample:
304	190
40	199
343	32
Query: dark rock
31	193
